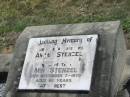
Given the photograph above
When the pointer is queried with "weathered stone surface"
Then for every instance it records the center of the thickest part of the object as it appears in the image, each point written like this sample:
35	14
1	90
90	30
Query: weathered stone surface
4	62
123	93
109	62
2	89
126	72
128	57
59	63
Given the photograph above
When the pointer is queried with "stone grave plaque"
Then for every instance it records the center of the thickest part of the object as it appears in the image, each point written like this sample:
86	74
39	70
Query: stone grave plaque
59	63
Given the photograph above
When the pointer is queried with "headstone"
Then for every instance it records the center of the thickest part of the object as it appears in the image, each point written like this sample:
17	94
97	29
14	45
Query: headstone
59	63
107	60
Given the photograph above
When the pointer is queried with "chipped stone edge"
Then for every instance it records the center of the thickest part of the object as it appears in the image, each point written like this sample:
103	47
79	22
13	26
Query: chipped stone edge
5	60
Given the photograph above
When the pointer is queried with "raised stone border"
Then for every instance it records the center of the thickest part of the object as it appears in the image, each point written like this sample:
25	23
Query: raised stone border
110	58
4	62
128	57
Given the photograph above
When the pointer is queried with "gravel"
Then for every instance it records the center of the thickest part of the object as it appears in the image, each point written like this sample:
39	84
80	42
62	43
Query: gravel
2	89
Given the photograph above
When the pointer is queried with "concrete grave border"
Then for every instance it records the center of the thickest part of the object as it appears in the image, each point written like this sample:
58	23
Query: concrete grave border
108	67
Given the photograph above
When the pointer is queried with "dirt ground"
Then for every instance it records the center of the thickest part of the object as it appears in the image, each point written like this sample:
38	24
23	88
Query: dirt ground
8	41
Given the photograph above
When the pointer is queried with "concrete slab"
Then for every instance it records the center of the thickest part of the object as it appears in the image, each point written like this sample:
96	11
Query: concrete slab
109	61
128	57
5	60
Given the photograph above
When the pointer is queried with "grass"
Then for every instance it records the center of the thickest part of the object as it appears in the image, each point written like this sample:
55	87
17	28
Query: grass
15	15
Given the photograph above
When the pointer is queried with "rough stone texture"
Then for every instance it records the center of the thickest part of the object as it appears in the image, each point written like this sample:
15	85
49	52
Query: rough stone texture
123	93
128	57
128	71
4	62
2	89
119	63
108	67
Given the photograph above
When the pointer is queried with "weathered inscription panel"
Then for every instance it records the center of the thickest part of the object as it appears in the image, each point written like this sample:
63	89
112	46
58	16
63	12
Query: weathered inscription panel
59	63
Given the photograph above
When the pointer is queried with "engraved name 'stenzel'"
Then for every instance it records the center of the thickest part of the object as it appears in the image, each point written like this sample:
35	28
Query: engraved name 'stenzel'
59	63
